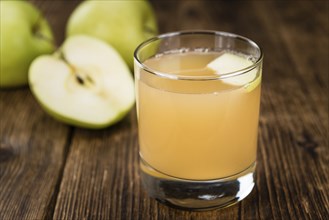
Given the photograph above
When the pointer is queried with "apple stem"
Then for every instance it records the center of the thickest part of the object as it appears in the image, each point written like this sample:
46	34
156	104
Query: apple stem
37	33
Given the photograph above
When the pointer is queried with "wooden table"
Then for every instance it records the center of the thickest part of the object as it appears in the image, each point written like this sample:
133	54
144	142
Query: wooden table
51	170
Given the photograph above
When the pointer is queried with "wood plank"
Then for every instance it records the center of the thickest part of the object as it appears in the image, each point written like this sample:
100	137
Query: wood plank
32	153
301	145
101	169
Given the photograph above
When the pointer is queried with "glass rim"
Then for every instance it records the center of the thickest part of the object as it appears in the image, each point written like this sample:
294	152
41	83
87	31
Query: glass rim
198	78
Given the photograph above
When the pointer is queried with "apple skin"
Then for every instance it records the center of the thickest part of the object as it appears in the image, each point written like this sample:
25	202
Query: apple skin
81	124
25	34
122	24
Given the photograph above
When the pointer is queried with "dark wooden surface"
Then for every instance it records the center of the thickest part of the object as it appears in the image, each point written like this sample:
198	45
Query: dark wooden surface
52	171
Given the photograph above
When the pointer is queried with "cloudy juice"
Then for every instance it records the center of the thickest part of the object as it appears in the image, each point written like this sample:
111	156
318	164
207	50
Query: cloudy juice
195	129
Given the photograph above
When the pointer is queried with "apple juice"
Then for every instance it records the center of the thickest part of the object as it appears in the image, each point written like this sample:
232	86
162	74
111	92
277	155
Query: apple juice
195	129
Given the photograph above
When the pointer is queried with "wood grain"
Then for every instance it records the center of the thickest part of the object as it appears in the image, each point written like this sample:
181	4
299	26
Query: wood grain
50	170
32	153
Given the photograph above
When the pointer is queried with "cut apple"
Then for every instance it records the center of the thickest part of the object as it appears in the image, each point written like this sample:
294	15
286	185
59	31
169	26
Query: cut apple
85	84
228	63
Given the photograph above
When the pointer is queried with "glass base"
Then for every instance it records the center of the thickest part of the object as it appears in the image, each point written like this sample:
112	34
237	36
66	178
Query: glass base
197	195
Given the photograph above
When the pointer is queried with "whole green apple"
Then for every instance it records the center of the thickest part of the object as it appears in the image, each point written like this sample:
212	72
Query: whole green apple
24	34
122	24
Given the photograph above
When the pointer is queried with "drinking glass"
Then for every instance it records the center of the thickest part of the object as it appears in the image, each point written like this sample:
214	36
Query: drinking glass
197	126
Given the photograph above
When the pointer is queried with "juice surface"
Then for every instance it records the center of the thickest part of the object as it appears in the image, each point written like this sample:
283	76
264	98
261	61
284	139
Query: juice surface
198	130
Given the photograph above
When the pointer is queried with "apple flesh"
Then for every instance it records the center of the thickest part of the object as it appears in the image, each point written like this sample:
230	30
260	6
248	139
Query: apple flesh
25	34
229	63
85	84
122	24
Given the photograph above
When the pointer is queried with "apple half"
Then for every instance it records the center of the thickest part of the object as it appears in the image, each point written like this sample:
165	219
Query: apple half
86	83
